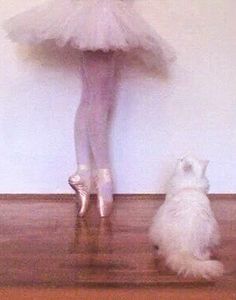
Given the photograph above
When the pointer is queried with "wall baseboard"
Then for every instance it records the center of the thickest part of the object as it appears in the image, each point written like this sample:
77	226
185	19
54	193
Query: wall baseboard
70	197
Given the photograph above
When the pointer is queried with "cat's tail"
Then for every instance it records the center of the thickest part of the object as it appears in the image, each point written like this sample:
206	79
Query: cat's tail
187	265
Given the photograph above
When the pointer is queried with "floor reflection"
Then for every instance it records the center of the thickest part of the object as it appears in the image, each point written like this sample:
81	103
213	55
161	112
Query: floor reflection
92	236
93	247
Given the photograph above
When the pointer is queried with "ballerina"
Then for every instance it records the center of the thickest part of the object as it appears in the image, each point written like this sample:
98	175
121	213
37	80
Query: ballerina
103	32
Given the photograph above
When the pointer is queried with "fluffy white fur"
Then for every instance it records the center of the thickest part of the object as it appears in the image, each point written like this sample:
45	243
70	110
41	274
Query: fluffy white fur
184	228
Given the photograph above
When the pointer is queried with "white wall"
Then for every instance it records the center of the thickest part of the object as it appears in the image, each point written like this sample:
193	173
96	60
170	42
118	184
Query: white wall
155	122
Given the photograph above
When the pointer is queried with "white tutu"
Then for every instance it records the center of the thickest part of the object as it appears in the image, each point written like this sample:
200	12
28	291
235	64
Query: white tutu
91	25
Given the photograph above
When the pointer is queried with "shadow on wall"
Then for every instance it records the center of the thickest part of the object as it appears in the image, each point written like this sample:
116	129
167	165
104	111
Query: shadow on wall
51	56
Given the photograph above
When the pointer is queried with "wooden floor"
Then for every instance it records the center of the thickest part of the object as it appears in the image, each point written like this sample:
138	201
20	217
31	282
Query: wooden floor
46	248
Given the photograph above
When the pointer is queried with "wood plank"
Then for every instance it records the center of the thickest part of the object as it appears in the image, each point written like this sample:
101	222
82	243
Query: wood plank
71	197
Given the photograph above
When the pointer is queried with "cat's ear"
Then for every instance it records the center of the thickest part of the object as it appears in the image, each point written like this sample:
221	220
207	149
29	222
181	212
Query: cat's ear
204	165
179	163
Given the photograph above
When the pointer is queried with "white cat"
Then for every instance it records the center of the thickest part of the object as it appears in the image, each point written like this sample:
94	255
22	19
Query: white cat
184	229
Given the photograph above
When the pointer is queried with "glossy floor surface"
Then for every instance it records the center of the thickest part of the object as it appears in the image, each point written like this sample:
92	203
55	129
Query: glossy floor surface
44	244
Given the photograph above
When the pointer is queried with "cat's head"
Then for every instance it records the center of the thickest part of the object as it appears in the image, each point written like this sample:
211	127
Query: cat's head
190	166
189	173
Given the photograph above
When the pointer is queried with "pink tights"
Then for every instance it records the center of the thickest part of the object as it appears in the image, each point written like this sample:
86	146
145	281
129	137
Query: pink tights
99	79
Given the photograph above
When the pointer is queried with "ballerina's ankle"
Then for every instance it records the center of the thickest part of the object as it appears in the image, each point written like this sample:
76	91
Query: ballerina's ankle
82	171
104	176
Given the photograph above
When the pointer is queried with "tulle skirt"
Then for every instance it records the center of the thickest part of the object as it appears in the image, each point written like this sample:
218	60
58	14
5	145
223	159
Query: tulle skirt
91	25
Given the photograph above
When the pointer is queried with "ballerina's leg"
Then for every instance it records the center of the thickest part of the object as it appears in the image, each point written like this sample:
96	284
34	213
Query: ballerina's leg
81	138
80	181
100	72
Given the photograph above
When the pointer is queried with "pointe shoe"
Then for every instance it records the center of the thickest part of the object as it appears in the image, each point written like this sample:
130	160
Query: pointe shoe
104	190
81	183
